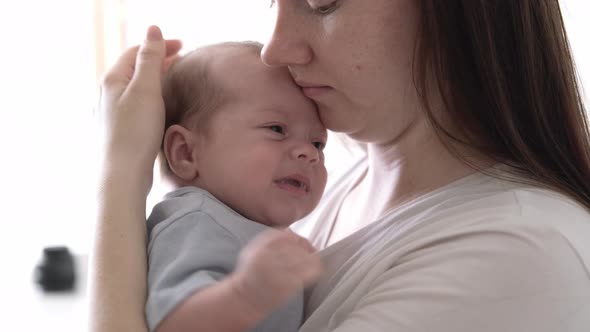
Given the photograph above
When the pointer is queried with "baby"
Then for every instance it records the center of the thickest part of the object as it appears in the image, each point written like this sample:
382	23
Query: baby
243	148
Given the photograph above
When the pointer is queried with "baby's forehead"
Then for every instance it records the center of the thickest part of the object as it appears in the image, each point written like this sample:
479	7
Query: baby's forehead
215	58
242	71
240	61
239	74
226	54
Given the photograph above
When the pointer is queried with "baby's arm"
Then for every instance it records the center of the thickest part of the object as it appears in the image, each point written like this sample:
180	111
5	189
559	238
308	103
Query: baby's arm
270	270
215	308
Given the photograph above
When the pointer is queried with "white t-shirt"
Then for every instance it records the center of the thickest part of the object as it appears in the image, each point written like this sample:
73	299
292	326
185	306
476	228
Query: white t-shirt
478	255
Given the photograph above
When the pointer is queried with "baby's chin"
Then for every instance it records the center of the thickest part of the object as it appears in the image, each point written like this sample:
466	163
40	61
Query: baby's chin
285	220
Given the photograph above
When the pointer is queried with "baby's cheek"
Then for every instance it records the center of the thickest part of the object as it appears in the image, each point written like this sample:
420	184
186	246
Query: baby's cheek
324	177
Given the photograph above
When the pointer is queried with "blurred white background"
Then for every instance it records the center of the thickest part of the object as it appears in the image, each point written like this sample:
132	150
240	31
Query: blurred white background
53	53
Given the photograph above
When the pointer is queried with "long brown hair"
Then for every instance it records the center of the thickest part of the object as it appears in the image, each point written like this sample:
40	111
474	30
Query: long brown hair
506	75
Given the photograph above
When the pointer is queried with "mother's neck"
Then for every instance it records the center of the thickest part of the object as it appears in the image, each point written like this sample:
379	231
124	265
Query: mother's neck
414	164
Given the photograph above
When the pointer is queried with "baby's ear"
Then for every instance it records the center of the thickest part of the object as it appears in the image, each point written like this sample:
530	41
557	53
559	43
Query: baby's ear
180	152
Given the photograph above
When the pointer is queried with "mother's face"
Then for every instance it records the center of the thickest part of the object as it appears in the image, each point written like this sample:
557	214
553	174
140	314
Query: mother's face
354	59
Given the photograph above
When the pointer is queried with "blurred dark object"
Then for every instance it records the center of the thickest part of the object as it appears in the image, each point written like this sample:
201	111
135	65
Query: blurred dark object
56	270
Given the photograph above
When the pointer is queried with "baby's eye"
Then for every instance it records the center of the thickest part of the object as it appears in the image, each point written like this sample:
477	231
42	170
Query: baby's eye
319	145
277	129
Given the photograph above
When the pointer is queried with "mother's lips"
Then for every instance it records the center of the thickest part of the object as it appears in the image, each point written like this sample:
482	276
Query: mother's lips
312	90
304	84
315	92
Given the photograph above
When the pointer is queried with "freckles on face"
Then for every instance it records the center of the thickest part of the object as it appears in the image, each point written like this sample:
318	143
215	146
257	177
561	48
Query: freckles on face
368	59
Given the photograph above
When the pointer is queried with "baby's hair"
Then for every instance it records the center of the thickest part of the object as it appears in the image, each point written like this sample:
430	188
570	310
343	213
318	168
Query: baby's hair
191	94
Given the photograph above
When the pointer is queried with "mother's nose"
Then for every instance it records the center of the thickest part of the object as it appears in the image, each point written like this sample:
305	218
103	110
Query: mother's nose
289	43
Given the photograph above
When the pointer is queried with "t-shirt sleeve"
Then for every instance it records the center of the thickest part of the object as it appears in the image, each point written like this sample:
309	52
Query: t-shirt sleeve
477	280
186	255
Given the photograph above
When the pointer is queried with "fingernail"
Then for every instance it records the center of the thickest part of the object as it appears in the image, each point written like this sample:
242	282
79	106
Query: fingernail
154	33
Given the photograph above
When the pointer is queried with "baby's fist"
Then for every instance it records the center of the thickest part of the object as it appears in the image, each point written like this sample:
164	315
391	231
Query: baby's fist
273	267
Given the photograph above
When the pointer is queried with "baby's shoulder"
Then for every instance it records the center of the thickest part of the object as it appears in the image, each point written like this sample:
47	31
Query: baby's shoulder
195	207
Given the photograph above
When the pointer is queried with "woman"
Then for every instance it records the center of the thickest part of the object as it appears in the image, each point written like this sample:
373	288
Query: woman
470	210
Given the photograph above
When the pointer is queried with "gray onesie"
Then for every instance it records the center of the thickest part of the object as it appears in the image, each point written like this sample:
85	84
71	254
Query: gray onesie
194	241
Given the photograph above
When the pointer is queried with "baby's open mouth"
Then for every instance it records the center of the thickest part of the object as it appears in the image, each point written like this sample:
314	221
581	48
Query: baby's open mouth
299	184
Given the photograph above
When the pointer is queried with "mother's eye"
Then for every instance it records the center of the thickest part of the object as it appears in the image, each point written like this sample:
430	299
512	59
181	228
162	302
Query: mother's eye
323	8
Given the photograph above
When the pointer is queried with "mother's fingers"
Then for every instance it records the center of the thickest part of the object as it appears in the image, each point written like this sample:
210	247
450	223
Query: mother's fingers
150	59
124	69
172	47
154	56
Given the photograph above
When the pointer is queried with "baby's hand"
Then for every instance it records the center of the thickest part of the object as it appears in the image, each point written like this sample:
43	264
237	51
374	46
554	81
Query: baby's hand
273	267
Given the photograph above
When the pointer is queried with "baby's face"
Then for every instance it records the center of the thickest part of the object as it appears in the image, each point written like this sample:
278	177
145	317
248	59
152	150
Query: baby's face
263	154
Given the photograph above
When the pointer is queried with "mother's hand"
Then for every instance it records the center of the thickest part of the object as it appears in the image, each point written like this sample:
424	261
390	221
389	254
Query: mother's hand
133	110
132	106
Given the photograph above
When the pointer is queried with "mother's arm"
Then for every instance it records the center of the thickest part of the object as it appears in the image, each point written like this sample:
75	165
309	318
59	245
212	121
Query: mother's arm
133	110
